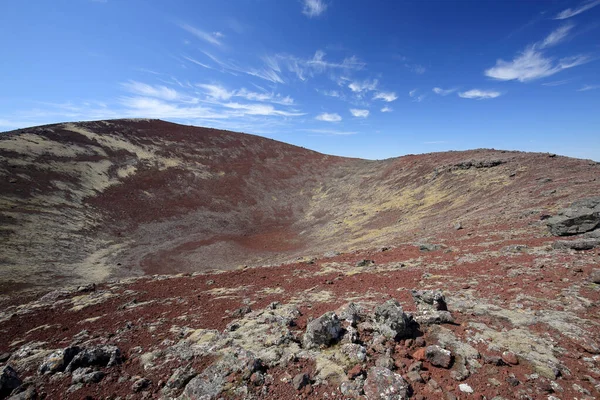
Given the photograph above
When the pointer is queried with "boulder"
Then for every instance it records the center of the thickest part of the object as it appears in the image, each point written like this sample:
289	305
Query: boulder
431	307
577	244
207	386
181	377
58	360
350	313
595	276
9	380
438	357
300	380
580	217
383	384
86	375
103	355
323	331
391	321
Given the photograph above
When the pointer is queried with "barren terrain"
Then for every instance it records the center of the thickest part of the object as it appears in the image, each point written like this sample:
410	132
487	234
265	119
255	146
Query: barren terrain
144	259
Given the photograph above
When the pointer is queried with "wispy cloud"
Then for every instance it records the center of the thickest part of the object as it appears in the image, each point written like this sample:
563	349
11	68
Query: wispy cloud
479	94
330	93
585	88
212	38
270	71
443	92
218	92
330	132
556	83
329	117
532	64
417	98
571	12
158	91
358	113
386	109
556	36
305	68
364	86
314	8
385	96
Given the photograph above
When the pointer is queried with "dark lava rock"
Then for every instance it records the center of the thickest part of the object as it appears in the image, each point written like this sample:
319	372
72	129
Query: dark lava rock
391	320
105	355
9	380
595	276
580	217
438	357
578	244
86	375
299	381
58	360
323	331
140	384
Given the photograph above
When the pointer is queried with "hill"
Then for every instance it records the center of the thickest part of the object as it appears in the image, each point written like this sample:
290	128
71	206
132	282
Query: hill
134	265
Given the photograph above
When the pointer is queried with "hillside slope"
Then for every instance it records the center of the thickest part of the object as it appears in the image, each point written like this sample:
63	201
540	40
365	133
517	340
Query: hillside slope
83	202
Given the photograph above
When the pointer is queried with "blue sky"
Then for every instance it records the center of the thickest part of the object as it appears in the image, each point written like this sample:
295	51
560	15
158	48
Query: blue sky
354	78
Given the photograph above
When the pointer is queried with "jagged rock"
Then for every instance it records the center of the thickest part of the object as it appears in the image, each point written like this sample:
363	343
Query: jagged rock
27	394
4	357
355	371
595	276
105	355
385	361
351	313
355	352
414	377
577	244
429	247
431	307
438	357
352	389
206	386
181	377
580	217
430	299
323	331
383	384
86	375
300	380
365	263
9	380
350	335
58	360
140	384
391	320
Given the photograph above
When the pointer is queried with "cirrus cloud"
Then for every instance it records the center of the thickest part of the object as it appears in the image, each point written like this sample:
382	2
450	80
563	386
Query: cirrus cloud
479	94
329	117
358	113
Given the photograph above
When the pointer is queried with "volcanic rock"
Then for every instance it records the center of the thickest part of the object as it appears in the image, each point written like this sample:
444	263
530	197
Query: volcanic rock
580	217
381	383
391	320
9	380
438	357
323	331
58	360
104	355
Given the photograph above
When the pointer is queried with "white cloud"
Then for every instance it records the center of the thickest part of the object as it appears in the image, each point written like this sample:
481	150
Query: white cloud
330	93
317	64
585	88
260	109
367	85
570	12
417	99
385	96
216	92
327	117
479	94
192	60
530	65
413	92
207	37
270	72
443	92
143	89
359	113
386	109
556	36
314	8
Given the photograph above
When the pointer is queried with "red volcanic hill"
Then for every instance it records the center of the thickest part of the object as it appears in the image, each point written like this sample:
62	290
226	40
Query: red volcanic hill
133	260
83	202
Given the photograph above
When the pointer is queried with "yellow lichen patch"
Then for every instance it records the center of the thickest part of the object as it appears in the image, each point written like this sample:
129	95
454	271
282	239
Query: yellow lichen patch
89	320
312	296
81	302
329	370
270	290
225	293
38	328
202	336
